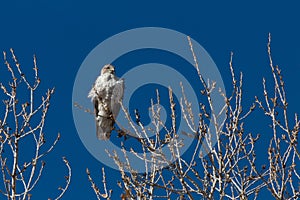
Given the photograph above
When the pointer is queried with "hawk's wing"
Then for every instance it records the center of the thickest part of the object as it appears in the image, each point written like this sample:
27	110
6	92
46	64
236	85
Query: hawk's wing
103	118
117	97
96	104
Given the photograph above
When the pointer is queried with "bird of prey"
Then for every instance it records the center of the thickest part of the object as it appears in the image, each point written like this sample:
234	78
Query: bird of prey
106	95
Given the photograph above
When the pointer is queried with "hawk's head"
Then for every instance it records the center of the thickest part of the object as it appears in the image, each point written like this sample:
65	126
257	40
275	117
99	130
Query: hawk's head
108	69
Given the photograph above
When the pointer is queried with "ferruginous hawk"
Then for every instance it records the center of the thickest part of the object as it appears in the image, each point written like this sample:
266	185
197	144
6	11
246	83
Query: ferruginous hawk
106	94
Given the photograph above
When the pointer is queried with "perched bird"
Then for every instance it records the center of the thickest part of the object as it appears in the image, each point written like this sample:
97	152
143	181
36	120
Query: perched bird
106	95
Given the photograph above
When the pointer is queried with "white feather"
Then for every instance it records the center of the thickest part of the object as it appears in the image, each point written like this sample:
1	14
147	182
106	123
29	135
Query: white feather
106	94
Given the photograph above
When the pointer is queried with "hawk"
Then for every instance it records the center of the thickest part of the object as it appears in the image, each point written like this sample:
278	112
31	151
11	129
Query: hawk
106	95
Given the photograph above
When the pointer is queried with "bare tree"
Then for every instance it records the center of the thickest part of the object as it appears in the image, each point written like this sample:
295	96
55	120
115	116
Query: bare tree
226	169
283	179
22	134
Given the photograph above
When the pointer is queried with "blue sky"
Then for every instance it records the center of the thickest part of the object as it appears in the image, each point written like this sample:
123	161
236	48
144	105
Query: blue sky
62	33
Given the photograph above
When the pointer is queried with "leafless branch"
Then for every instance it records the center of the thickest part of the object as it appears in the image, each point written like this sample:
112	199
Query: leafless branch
23	122
221	166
